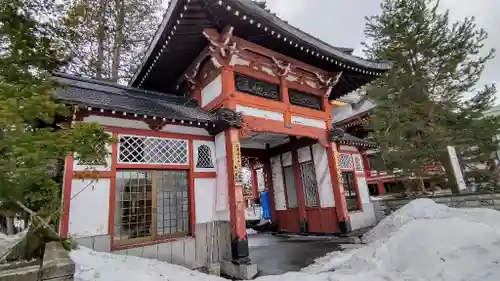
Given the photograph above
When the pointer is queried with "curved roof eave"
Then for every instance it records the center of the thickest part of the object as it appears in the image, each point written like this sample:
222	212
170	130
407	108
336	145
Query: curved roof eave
250	7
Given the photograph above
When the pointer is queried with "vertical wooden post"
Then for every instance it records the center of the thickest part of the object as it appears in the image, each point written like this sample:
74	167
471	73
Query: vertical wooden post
381	187
338	189
255	185
300	187
239	243
270	188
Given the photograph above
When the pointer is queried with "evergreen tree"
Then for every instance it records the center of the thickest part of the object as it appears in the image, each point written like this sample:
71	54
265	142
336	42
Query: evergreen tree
429	100
30	141
110	36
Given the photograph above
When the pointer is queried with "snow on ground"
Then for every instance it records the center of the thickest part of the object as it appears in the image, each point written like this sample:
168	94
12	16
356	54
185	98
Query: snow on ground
8	241
421	241
425	241
94	266
251	231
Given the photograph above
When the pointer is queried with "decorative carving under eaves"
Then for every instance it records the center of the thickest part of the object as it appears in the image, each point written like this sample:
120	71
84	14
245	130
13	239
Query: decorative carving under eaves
328	83
257	87
305	99
282	68
229	117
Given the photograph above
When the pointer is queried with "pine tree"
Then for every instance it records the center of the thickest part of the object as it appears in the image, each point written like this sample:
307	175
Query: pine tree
110	36
430	98
31	47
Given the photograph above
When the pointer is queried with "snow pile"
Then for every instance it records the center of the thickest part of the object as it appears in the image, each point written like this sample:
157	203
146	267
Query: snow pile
421	241
9	241
94	266
251	231
425	241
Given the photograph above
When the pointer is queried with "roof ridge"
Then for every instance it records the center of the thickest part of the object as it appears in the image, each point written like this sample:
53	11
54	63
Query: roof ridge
162	96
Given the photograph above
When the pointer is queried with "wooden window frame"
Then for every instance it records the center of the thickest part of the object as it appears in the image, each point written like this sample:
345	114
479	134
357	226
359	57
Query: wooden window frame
154	237
359	205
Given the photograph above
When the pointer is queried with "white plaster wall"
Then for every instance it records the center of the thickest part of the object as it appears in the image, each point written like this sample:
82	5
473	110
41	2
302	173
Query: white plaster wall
287	159
278	186
325	188
363	219
304	154
205	198
308	122
211	145
89	207
364	193
222	202
211	91
185	130
261	113
116	122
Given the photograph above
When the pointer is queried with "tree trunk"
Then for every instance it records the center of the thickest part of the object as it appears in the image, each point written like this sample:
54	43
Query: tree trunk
10	226
101	36
118	39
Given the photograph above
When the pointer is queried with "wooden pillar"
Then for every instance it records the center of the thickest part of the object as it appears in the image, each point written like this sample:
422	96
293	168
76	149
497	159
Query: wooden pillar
239	243
338	188
381	187
269	186
301	201
255	185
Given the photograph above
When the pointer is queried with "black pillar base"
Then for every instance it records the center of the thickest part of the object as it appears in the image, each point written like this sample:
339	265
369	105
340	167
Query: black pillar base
345	226
240	251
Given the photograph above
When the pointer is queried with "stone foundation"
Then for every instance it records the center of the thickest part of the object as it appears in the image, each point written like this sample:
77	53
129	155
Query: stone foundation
189	252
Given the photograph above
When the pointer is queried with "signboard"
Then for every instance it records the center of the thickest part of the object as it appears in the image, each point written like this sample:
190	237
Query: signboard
455	164
237	169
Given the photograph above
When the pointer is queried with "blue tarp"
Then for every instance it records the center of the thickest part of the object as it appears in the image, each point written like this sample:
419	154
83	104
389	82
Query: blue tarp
266	211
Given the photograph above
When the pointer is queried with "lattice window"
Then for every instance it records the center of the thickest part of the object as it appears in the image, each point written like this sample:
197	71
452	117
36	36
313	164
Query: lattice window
204	157
358	164
149	150
309	184
172	203
290	186
345	161
150	205
350	191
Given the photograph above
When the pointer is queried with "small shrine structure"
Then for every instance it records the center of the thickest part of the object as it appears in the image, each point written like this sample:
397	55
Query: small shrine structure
221	80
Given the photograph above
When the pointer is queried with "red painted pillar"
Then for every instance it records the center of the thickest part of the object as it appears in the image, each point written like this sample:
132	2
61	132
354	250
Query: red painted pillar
381	188
239	243
366	163
338	188
301	201
268	173
255	185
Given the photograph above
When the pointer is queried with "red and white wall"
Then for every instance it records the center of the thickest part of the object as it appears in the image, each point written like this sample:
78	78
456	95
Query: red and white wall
89	204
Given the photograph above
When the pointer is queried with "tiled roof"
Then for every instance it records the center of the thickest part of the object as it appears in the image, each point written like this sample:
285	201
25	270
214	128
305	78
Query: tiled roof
350	112
99	94
341	136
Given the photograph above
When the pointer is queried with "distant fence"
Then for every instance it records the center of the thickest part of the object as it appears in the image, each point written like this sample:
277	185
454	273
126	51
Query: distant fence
385	206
